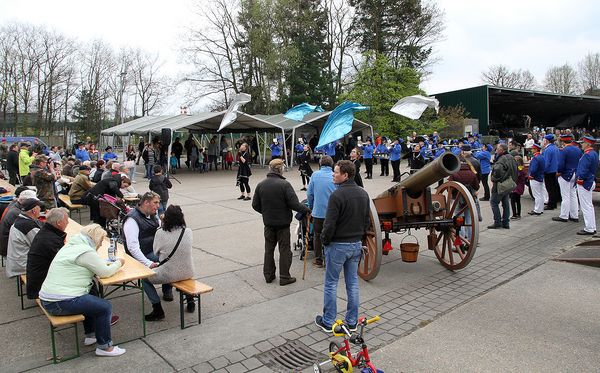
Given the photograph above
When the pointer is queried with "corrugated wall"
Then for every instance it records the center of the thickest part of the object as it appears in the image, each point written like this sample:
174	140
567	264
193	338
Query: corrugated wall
475	101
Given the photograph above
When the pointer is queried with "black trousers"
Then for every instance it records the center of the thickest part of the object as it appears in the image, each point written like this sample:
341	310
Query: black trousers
244	186
385	169
317	244
396	170
369	166
515	203
277	236
553	189
486	186
12	177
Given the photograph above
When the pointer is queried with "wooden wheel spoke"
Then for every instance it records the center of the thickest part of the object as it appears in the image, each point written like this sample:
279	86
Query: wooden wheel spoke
450	249
467	242
462	210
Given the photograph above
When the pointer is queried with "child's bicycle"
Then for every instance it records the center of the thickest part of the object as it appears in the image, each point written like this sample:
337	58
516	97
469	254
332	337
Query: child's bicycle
341	356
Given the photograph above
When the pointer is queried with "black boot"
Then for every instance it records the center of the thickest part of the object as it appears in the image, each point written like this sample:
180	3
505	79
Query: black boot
191	304
156	314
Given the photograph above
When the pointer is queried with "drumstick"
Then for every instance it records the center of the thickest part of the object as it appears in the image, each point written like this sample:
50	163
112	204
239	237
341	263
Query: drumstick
306	245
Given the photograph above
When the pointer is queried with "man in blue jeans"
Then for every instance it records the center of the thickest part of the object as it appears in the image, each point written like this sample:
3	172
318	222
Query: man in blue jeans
346	221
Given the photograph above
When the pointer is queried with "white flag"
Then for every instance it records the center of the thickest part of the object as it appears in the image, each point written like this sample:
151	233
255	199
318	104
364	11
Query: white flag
231	115
413	106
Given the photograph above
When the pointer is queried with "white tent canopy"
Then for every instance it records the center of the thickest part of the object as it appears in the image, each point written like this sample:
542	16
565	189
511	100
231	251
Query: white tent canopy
127	128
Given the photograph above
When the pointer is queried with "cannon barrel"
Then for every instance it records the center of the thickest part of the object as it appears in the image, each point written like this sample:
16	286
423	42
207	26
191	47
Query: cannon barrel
446	165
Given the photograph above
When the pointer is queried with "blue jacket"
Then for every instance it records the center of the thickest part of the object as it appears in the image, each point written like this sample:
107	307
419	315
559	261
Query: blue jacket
439	152
455	150
382	149
484	158
475	145
109	156
368	151
568	161
536	167
275	150
586	169
551	155
395	153
319	189
82	155
299	148
329	149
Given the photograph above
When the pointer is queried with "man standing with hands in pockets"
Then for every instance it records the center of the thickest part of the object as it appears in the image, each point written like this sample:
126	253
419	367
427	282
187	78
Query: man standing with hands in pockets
346	221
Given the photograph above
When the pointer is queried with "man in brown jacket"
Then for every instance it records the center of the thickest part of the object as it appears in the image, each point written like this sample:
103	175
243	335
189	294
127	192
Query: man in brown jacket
80	185
44	180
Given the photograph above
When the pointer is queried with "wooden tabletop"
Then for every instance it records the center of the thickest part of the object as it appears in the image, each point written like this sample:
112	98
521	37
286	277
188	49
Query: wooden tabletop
131	270
6	185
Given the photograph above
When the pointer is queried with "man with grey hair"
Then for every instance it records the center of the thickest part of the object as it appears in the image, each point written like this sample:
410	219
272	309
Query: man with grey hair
504	167
275	199
11	214
46	243
320	188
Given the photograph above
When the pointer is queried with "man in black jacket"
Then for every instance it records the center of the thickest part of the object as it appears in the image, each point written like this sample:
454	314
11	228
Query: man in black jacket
12	164
346	221
46	243
275	199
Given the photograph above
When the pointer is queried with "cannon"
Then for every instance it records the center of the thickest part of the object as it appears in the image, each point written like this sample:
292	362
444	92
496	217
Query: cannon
450	215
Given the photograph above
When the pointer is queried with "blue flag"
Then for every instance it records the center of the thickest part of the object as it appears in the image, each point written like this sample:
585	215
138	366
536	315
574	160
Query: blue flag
298	112
339	122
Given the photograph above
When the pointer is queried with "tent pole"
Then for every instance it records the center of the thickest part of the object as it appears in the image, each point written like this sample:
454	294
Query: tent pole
293	150
285	156
264	149
257	145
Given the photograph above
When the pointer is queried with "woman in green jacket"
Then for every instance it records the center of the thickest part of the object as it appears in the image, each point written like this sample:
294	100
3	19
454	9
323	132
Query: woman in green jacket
65	290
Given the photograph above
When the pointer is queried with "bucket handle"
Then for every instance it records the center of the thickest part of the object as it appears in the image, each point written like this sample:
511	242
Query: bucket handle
409	235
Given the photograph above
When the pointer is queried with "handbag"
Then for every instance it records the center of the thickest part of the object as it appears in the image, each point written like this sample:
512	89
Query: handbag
174	249
507	185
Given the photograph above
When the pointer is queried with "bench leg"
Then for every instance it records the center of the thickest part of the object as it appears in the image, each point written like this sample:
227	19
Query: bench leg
199	310
3	265
54	359
18	286
181	313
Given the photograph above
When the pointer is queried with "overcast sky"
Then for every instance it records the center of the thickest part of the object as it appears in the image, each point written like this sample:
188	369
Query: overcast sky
523	34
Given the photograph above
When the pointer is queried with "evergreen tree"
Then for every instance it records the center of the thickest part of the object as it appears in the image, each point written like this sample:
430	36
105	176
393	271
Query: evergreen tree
87	111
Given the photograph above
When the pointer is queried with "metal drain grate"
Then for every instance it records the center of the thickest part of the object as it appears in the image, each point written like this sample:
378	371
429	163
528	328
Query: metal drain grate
293	356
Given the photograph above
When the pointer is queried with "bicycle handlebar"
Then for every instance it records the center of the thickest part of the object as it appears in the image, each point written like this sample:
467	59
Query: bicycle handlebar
374	319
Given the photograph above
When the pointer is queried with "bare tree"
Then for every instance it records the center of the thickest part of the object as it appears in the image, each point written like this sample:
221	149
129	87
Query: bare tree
561	79
526	80
150	87
500	76
589	73
120	81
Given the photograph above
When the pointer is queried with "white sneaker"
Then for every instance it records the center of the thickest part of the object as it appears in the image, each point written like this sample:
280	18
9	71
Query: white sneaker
89	341
116	351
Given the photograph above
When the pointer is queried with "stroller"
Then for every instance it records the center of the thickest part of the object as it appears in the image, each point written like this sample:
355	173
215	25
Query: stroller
303	226
114	212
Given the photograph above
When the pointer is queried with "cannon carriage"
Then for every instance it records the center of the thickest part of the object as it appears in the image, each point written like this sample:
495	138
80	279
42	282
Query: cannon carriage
449	215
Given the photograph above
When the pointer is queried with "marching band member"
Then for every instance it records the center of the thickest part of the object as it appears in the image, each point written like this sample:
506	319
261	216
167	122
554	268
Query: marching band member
586	176
551	154
567	165
368	157
395	154
536	180
382	152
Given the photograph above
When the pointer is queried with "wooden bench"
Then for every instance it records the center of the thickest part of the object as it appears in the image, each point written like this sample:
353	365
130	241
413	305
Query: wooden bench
66	200
21	282
194	289
57	322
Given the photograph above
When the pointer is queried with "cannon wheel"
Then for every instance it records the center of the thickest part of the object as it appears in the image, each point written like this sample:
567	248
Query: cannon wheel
368	268
444	240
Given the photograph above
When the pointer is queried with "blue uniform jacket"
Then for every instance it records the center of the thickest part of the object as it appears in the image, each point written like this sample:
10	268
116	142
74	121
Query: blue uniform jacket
484	158
329	149
456	150
299	148
568	161
586	169
551	155
275	150
395	153
109	156
382	149
319	189
536	167
368	151
439	152
82	155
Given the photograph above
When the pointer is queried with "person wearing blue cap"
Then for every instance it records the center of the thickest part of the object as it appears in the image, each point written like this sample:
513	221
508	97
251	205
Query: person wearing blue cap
484	157
368	149
383	153
395	153
551	156
586	176
456	148
536	179
567	165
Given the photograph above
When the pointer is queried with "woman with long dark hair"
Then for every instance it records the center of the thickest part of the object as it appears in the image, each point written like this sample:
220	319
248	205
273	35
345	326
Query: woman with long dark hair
304	166
244	172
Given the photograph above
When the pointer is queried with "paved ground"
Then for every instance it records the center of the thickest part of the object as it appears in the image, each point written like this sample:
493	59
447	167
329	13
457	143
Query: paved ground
244	317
